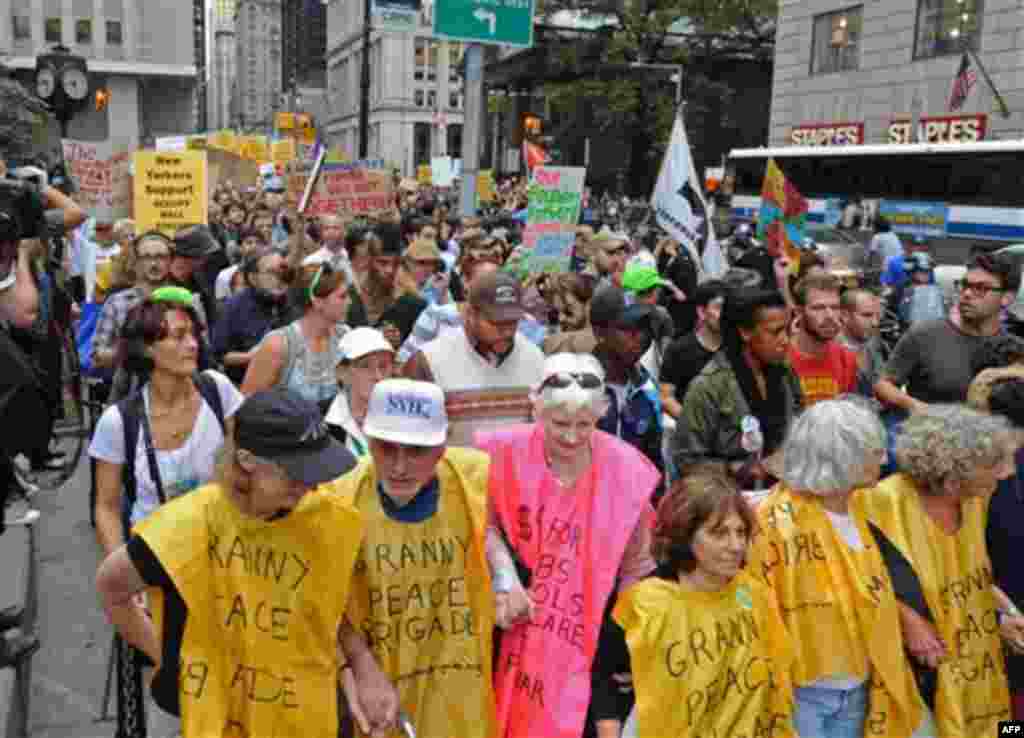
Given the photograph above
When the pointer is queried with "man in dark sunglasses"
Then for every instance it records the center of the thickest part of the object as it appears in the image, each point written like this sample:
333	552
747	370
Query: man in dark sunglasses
624	334
934	358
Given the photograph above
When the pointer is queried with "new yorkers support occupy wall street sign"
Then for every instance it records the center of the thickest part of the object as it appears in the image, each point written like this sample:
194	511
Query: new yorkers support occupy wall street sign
503	22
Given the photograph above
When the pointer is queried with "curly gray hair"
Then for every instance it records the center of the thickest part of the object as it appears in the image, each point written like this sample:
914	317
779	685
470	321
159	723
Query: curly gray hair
950	442
831	445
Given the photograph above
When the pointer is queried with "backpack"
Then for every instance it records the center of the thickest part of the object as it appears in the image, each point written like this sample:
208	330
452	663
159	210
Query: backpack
134	420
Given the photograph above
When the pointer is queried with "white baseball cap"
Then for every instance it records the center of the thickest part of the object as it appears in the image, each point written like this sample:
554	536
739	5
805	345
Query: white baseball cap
359	342
407	412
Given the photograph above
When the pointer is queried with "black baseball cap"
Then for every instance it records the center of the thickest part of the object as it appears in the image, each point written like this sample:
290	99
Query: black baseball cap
195	242
283	427
609	306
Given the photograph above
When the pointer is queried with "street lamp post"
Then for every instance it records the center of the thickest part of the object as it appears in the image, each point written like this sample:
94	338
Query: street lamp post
677	77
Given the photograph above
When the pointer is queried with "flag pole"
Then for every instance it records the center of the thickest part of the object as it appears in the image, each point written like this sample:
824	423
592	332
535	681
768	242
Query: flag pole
1004	110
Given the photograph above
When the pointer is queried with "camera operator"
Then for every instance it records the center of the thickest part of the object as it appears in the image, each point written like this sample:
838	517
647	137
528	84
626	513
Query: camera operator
28	210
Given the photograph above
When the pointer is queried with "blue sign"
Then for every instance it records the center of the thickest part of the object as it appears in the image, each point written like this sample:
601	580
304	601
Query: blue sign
926	219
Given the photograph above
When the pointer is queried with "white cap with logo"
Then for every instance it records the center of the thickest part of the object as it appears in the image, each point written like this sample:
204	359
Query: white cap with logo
361	341
407	412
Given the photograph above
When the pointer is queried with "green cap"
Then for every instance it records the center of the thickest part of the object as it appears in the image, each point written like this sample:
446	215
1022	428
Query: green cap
178	295
640	278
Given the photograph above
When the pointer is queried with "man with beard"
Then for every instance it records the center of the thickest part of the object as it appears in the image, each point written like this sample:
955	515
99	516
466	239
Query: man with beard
934	358
862	314
193	247
486	368
252	313
825	368
384	300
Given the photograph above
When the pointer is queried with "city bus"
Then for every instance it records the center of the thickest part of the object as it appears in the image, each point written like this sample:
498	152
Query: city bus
957	195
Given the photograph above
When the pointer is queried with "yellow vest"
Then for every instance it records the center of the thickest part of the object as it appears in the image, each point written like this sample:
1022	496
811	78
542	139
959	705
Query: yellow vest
956	578
839	606
259	653
707	664
421	596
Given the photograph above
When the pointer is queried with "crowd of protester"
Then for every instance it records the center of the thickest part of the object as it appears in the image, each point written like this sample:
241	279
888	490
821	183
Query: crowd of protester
363	472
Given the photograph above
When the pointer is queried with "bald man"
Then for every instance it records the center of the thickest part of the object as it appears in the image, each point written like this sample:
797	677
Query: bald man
332	251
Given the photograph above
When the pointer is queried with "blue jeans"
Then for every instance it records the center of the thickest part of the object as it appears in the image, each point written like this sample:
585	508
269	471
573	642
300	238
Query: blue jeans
831	713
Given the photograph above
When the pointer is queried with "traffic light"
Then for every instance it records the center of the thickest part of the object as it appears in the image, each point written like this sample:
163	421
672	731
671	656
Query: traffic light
532	125
102	99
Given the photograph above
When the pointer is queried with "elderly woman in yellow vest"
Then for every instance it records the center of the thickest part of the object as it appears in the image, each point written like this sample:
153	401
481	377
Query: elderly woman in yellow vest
421	603
709	653
838	603
929	524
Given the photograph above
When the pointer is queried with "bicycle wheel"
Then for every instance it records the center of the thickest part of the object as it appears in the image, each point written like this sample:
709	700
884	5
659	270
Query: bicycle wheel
70	429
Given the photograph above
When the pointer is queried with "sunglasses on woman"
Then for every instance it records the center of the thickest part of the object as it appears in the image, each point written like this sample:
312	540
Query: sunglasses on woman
561	380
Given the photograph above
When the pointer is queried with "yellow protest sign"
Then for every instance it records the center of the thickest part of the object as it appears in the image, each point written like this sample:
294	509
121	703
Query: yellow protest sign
196	143
308	136
336	155
170	190
283	151
224	141
485	185
423	174
254	148
284	121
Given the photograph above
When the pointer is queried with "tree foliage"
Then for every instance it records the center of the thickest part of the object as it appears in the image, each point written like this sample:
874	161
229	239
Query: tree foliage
590	74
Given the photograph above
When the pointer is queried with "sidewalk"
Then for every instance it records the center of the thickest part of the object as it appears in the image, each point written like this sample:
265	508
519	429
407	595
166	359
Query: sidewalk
17	587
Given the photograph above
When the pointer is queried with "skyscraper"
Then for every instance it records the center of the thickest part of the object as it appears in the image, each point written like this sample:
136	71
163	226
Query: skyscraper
258	74
223	63
304	27
199	44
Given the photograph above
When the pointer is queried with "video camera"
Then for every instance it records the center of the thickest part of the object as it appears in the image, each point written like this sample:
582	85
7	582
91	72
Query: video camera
23	212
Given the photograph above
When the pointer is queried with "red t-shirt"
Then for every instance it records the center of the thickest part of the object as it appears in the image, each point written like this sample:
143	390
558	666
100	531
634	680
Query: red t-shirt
827	376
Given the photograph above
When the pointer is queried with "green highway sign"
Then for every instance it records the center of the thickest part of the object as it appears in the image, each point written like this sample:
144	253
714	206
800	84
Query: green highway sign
502	22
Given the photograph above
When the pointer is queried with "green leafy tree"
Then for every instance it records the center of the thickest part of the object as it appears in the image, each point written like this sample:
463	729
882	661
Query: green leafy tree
591	78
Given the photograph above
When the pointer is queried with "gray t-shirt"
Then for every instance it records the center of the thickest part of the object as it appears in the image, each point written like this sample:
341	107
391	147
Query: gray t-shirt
934	360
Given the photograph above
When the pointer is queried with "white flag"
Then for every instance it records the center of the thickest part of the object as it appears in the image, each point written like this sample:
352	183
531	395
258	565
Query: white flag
677	201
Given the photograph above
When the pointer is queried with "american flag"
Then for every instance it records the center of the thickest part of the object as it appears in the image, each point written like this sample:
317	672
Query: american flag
962	84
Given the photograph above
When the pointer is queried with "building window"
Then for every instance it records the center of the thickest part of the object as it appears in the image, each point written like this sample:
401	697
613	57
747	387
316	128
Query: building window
836	42
947	27
115	35
455	100
22	27
53	31
419	98
454	147
425	60
432	99
421	143
83	31
455	51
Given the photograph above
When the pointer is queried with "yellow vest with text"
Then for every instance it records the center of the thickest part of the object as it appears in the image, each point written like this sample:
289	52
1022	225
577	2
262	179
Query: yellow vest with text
421	596
839	606
956	579
259	654
707	664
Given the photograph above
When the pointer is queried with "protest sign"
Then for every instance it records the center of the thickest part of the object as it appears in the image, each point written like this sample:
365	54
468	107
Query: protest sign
223	141
423	174
555	196
170	190
102	178
254	148
172	143
441	171
347	189
283	151
485	185
224	167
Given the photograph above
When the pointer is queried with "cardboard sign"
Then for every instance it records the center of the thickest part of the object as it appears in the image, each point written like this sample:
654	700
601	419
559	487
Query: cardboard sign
104	182
356	188
170	190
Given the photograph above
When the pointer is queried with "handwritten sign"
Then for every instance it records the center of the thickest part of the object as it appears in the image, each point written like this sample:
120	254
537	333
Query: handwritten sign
170	190
424	174
283	151
555	196
441	171
254	148
485	185
104	182
348	189
223	141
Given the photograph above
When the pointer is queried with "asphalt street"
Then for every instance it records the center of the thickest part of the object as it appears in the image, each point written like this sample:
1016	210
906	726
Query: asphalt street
69	671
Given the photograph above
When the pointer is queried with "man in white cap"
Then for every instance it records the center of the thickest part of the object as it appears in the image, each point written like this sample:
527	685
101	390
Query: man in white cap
421	604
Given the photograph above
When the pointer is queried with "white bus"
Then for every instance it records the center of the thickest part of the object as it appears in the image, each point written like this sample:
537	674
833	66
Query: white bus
953	194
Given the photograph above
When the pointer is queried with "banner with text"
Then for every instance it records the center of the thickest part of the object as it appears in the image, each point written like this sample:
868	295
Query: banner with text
926	219
555	196
355	188
103	178
170	190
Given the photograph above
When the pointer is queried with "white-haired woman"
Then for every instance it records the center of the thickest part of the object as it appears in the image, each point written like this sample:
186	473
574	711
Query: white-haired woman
929	525
367	357
831	583
571	509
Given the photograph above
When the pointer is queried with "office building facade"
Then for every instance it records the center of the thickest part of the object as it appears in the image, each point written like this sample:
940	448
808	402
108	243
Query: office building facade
258	80
223	63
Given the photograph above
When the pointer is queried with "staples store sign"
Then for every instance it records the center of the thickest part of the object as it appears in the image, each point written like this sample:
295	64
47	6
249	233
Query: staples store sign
827	134
946	129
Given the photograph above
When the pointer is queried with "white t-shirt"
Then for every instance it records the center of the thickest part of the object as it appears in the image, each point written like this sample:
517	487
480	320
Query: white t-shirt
182	469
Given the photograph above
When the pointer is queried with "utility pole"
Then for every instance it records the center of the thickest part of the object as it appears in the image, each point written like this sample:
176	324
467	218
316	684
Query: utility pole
364	91
473	124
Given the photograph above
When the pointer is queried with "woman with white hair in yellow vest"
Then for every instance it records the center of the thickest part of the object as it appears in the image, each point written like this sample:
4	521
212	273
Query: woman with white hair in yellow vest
850	676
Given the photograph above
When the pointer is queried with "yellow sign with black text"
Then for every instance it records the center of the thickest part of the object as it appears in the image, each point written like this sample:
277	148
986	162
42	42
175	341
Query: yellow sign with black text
169	190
